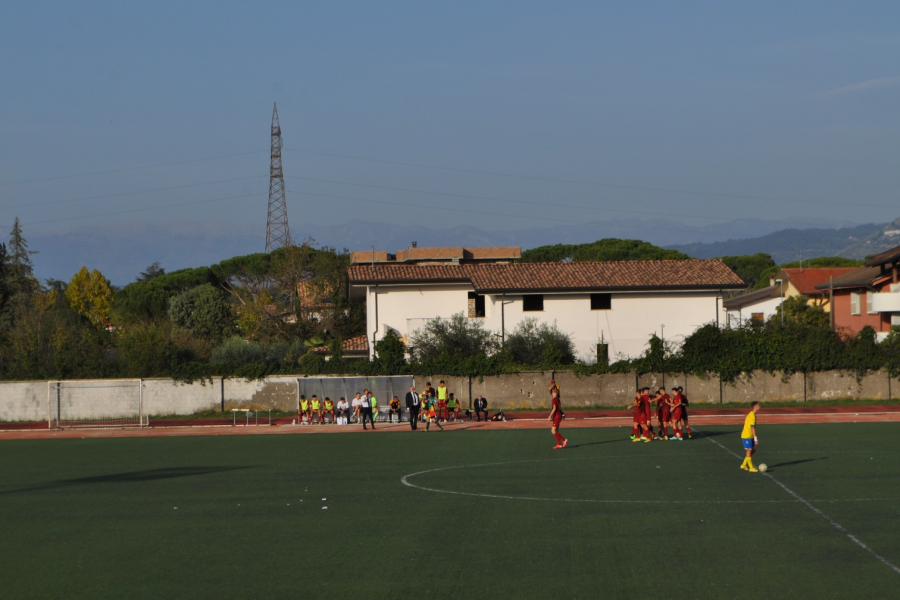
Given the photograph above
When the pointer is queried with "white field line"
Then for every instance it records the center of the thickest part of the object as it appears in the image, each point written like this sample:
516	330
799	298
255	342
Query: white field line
809	505
405	481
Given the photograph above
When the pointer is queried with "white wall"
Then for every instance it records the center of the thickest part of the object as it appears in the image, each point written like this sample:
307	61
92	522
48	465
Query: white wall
626	327
406	308
767	307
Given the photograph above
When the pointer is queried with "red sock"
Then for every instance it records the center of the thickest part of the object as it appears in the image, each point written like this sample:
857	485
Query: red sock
558	438
634	430
689	429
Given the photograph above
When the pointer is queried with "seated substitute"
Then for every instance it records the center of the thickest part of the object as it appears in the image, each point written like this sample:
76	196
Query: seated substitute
343	411
395	408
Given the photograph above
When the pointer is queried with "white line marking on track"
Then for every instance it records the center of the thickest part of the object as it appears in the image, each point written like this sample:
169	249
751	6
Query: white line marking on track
809	505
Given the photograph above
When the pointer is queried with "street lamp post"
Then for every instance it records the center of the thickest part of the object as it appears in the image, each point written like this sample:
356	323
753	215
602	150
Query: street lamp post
781	283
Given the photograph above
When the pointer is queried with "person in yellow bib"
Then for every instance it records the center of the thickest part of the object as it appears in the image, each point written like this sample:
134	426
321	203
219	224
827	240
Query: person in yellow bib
304	410
329	408
373	402
453	407
315	408
749	439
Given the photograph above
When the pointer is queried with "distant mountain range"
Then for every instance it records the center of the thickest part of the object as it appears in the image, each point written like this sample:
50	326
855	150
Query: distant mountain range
123	250
793	244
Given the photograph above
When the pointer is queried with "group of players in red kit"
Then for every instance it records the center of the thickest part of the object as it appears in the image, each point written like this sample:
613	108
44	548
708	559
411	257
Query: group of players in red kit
671	411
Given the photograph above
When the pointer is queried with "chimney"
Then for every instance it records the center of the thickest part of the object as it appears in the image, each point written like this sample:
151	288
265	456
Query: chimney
415	244
771	280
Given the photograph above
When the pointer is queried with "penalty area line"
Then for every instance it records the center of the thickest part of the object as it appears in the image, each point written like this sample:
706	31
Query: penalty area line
816	510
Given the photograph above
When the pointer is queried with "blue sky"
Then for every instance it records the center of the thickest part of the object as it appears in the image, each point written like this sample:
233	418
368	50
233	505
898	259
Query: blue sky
705	111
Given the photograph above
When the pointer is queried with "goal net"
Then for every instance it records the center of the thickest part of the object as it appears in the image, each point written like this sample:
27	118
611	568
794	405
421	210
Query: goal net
96	404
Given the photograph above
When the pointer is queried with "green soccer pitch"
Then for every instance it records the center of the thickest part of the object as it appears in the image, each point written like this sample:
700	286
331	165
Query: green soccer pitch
454	514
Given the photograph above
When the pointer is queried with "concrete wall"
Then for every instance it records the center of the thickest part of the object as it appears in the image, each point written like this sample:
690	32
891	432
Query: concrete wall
23	401
762	386
28	401
837	384
167	397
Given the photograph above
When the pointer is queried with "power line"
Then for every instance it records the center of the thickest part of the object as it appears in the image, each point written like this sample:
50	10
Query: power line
591	183
117	195
148	208
126	169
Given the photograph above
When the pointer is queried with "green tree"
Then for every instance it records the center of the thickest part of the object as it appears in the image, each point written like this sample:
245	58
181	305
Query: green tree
90	295
605	249
152	272
390	353
146	350
203	310
533	342
20	278
798	310
750	267
456	337
5	284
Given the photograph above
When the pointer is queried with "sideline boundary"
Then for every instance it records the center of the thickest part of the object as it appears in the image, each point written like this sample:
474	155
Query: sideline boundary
819	512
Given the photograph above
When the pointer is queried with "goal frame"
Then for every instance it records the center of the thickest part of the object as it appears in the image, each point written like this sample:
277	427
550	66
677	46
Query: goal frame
54	405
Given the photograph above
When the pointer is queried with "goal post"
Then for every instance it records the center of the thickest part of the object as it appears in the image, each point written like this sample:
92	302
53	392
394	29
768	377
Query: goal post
93	404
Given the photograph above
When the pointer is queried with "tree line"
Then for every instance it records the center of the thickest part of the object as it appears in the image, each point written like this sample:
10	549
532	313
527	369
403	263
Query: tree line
262	314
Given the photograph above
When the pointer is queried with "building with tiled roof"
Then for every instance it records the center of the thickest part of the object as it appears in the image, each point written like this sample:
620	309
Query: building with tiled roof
869	295
801	281
619	304
355	347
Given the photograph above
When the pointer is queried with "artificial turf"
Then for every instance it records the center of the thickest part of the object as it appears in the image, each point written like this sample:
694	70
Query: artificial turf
242	517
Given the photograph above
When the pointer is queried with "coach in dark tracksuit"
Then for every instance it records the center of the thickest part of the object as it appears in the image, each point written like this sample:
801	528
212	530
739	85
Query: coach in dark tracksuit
481	407
413	405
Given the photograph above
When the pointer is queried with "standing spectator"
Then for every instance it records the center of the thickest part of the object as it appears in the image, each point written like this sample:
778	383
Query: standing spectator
365	409
442	398
481	407
395	408
357	403
343	411
329	408
412	406
373	404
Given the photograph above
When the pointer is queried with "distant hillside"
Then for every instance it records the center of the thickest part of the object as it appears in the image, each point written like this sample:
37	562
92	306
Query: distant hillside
791	244
122	250
887	237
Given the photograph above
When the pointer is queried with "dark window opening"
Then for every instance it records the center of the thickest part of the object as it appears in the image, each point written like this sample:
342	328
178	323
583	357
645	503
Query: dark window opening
533	302
601	301
476	305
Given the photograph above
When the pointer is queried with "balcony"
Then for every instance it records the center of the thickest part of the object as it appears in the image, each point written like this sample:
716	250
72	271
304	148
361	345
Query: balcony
886	302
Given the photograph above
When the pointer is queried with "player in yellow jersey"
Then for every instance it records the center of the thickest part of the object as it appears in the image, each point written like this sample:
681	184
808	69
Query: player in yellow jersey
749	439
303	411
315	409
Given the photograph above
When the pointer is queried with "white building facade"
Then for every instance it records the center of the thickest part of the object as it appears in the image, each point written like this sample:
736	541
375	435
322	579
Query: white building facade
619	304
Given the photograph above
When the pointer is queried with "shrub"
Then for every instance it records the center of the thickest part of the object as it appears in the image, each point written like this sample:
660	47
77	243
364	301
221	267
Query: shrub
535	343
456	337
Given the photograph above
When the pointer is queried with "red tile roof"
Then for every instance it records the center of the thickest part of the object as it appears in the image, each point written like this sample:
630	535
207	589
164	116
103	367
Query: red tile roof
355	345
611	275
806	280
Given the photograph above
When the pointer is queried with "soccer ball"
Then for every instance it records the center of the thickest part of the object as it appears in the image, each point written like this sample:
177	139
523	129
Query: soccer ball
763	468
